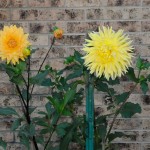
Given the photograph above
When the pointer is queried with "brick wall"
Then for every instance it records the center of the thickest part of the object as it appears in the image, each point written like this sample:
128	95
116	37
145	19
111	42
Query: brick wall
77	17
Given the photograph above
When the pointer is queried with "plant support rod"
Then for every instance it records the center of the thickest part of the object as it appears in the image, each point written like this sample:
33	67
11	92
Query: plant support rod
90	113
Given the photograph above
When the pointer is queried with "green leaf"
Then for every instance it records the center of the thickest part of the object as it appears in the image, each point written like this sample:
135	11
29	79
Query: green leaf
148	77
66	112
102	130
76	73
25	141
41	122
122	97
115	135
144	87
68	97
24	94
42	113
40	139
129	109
101	86
46	82
48	109
8	111
17	80
69	134
16	124
32	129
78	57
131	75
39	78
55	103
21	66
139	63
45	131
51	147
66	140
31	109
60	129
100	120
113	82
69	60
142	64
3	144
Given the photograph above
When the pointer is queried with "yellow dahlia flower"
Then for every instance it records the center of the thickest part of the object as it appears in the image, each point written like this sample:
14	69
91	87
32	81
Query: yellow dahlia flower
108	53
13	42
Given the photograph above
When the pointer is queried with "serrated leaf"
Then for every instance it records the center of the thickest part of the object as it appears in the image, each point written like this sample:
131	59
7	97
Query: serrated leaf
66	112
31	109
78	57
131	75
142	64
69	135
100	120
115	135
101	86
48	109
21	66
129	109
102	131
144	87
113	82
60	129
46	82
16	124
40	139
55	103
66	140
122	97
8	111
42	113
148	77
3	144
45	131
77	73
139	63
25	141
68	97
32	129
39	78
17	80
69	60
41	122
24	94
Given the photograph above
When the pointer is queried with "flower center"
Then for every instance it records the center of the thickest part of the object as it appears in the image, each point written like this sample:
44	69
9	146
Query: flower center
107	53
12	43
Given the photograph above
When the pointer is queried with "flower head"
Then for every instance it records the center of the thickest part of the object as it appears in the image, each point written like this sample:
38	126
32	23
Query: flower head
13	42
58	33
108	53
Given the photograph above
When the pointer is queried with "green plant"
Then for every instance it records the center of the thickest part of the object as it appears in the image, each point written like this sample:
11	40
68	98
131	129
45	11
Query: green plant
60	120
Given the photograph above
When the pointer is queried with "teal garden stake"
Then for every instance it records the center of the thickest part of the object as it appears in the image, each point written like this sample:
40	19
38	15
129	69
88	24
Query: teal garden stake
89	112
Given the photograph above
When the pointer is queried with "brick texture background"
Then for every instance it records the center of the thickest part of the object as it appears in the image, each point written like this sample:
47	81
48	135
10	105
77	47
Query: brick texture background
77	17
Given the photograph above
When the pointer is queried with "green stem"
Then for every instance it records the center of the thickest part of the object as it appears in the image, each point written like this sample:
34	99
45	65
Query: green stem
26	115
53	41
54	127
119	109
20	95
28	87
117	113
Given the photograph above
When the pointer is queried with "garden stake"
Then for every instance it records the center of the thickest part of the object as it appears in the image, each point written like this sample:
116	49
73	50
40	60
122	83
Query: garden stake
90	113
